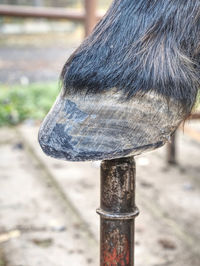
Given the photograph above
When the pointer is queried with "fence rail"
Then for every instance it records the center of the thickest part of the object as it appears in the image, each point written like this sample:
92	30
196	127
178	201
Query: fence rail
89	16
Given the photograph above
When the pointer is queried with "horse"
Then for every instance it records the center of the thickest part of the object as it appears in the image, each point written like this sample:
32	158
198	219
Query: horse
129	85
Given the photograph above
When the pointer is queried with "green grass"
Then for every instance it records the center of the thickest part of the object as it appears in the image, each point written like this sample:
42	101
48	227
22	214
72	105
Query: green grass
18	103
197	105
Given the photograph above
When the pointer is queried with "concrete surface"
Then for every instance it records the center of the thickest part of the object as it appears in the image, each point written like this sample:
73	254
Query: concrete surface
37	227
47	207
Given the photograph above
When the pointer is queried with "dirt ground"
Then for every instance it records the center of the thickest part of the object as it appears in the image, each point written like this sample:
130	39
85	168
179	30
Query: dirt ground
48	207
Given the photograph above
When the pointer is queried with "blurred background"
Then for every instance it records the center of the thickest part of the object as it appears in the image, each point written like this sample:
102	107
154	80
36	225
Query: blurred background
47	207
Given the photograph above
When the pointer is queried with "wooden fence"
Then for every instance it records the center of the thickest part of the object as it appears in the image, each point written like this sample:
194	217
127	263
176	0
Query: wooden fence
88	16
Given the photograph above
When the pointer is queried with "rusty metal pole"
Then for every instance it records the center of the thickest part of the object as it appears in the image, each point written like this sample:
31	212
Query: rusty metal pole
91	16
118	212
171	150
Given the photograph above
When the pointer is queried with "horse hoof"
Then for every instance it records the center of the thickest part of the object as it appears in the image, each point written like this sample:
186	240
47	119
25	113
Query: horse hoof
103	126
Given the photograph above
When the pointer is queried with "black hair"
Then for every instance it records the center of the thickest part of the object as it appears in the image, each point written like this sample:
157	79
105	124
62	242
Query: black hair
140	45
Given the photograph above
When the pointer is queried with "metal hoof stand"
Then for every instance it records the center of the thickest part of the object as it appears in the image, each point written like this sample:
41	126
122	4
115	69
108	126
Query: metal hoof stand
117	212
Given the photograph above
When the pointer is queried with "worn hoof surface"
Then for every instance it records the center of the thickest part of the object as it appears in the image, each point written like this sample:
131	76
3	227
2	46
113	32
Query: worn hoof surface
102	126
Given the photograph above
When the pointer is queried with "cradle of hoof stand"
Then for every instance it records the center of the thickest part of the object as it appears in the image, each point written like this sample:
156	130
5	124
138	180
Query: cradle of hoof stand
117	212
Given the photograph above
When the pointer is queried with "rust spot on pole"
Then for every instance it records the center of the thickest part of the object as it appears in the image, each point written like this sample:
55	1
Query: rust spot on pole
119	252
117	212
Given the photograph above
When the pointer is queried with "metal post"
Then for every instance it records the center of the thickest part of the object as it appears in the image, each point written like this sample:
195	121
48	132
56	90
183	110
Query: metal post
171	150
118	212
91	18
